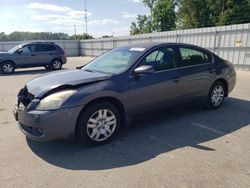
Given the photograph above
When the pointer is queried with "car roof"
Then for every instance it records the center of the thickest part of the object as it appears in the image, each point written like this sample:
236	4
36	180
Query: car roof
158	44
38	42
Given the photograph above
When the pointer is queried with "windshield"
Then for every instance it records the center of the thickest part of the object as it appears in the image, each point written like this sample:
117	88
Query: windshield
114	61
14	49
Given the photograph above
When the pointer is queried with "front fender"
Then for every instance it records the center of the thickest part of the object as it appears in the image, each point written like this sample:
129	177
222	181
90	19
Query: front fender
89	93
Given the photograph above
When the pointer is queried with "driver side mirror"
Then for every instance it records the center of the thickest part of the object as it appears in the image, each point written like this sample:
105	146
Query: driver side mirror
144	69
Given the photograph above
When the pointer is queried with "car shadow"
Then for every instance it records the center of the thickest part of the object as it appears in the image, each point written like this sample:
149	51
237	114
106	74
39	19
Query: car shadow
30	71
148	137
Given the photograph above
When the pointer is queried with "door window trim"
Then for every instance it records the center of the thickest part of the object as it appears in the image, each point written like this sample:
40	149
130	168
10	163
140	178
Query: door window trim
177	55
193	48
174	48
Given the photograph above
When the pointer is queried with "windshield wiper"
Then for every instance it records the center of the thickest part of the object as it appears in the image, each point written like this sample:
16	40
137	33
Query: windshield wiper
80	67
88	70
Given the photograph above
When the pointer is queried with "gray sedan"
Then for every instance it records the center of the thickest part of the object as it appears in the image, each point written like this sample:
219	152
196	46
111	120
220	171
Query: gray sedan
93	102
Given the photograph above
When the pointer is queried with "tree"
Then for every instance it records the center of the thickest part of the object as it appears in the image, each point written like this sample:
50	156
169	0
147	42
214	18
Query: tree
150	4
224	12
194	14
107	36
83	36
164	16
142	26
204	13
3	37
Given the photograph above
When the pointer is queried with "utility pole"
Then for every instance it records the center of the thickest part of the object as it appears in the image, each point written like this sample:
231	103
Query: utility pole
86	16
75	30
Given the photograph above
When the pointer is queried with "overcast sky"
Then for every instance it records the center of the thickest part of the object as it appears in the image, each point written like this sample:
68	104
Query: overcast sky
104	16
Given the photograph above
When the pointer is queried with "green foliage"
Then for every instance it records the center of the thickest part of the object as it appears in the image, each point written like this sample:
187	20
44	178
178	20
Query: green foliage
224	12
170	14
142	25
164	16
193	14
107	36
17	36
81	37
20	36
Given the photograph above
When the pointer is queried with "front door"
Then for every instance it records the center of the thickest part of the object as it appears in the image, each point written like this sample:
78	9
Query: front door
26	56
153	91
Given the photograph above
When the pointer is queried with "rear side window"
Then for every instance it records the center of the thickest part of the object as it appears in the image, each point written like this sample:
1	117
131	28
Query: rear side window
45	48
190	56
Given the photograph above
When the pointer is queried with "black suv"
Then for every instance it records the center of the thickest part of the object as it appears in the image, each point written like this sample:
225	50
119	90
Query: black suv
33	54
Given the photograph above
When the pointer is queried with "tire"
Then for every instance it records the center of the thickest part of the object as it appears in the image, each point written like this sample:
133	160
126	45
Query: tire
56	64
47	67
94	129
8	67
215	96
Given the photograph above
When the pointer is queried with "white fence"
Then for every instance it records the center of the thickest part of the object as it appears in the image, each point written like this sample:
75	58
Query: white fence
229	42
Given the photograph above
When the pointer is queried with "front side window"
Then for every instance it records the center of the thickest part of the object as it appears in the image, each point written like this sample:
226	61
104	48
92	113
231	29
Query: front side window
191	57
161	59
28	48
114	61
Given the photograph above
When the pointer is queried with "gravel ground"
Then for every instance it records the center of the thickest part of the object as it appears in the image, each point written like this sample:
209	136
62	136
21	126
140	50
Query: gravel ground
190	147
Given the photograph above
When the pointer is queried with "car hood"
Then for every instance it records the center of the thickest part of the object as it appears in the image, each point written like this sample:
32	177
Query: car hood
4	53
63	80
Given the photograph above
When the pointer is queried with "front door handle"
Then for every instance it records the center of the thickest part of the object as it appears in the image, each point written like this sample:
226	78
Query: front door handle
33	55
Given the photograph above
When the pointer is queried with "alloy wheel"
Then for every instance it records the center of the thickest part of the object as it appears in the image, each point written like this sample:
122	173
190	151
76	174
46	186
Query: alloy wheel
217	96
101	125
57	64
7	68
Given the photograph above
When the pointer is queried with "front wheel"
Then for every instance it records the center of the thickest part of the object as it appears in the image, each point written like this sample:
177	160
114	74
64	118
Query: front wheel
56	64
98	124
7	67
216	96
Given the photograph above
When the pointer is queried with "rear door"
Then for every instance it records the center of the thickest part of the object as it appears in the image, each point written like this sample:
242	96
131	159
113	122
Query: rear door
44	53
196	72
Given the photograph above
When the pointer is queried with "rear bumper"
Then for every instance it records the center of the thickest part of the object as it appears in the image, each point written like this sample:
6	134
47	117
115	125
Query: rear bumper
64	60
231	81
47	125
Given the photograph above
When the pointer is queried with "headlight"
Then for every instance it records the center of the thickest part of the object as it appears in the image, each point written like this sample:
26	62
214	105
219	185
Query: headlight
55	100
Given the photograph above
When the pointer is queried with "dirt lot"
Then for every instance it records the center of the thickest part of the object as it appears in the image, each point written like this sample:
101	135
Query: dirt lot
188	148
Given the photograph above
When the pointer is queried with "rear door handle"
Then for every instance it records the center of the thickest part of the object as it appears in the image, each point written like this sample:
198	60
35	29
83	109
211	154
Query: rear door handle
33	55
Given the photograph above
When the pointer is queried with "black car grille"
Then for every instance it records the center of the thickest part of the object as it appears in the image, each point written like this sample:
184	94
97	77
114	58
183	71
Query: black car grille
24	98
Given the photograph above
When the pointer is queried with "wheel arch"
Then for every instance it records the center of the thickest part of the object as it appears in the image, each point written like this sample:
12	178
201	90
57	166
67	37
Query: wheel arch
56	58
224	82
116	102
11	61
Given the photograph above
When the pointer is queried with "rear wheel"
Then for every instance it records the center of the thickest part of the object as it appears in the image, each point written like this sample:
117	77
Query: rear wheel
216	95
98	124
56	64
7	67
